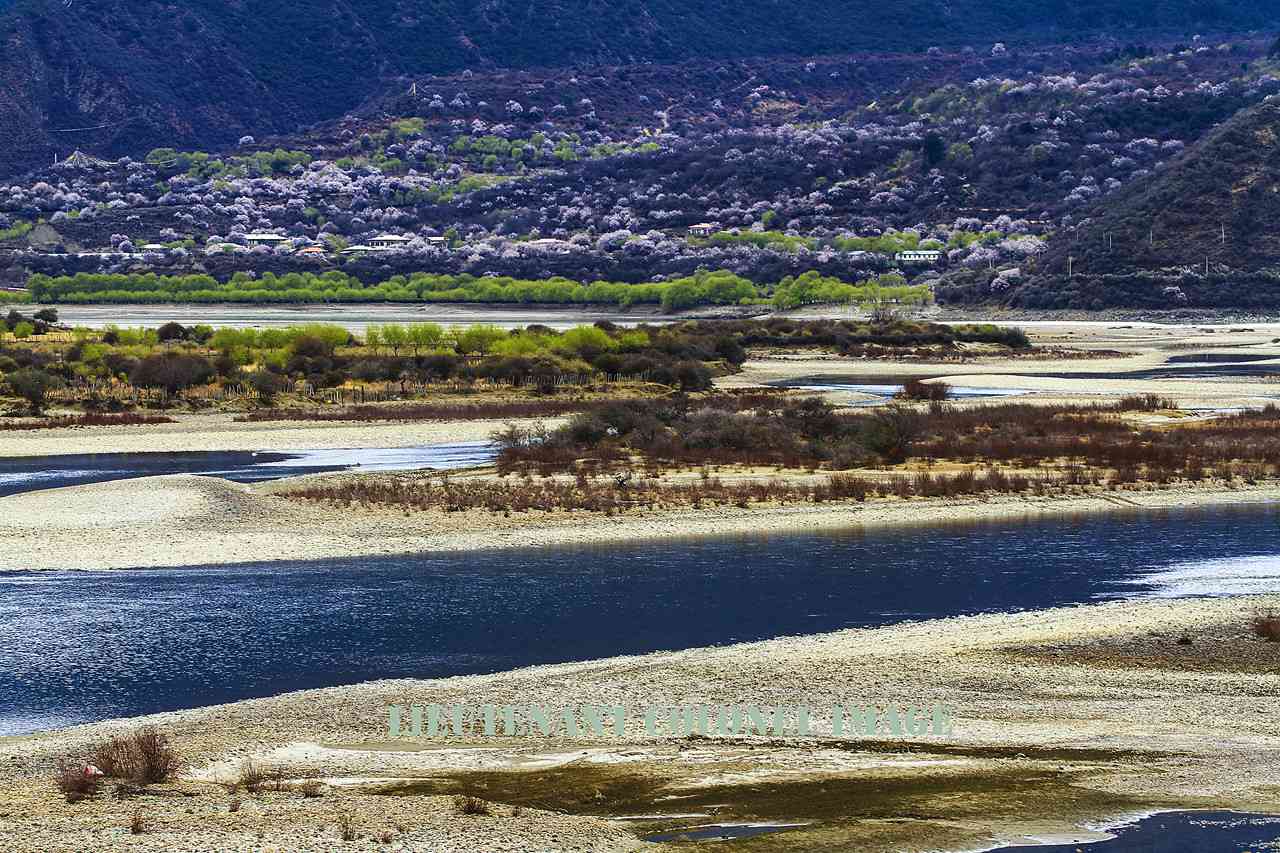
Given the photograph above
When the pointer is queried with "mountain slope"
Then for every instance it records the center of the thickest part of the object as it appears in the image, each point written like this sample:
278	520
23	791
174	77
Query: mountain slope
201	73
1215	209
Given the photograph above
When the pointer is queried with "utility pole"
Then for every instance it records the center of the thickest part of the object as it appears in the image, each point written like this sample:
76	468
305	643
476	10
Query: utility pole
1224	234
1071	259
1151	237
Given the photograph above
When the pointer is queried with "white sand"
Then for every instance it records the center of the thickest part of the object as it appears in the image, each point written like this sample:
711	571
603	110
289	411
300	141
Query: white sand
222	432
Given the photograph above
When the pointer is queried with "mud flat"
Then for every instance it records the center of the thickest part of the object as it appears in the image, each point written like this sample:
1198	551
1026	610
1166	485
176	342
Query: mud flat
1062	716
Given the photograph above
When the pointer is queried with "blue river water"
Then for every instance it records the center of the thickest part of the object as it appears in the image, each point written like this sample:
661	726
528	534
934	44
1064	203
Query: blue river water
1180	832
82	646
30	473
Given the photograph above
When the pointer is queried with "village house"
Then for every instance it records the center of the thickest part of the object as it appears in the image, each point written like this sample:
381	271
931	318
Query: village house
918	256
703	229
357	250
548	244
388	241
262	238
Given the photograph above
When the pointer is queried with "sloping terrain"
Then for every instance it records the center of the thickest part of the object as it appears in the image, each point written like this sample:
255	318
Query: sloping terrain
111	76
1207	224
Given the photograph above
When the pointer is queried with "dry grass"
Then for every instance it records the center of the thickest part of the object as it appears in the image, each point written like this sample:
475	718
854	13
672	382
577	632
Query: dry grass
347	827
252	776
89	420
138	823
312	788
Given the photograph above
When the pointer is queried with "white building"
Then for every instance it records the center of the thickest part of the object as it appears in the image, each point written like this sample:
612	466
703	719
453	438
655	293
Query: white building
388	241
703	229
262	238
918	256
547	244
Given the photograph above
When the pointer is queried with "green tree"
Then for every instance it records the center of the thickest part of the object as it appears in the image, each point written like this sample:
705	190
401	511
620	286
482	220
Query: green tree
960	154
33	386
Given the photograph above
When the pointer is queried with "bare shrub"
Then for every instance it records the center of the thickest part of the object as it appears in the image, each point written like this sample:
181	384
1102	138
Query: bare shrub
76	780
1145	403
138	823
1267	626
146	756
90	419
346	827
312	788
465	804
915	389
252	776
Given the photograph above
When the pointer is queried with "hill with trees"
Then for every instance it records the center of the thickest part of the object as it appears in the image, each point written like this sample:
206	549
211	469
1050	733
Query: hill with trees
1203	231
112	76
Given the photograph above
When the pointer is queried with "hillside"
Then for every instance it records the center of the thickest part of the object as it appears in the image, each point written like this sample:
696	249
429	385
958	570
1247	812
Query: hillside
111	76
1215	210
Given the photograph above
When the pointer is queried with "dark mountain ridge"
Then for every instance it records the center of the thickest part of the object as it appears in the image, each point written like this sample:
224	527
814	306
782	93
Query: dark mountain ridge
110	76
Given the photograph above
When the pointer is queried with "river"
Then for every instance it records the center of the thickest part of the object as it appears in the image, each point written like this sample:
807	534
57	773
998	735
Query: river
83	646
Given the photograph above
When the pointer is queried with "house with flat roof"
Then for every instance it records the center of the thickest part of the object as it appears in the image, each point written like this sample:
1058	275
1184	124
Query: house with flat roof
548	244
703	229
264	238
918	256
389	241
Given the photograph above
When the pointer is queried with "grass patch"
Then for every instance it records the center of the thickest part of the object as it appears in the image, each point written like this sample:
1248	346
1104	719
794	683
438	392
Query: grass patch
879	810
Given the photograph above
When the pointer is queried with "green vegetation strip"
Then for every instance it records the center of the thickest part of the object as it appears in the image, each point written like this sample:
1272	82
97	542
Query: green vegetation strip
702	288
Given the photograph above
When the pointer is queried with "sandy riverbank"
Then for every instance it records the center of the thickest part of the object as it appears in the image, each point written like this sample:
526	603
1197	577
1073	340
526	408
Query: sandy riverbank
1062	716
188	520
222	432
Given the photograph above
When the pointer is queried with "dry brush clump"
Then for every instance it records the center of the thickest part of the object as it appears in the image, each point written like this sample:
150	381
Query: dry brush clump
253	776
76	780
620	494
464	804
145	756
810	434
915	389
87	420
1267	626
1010	448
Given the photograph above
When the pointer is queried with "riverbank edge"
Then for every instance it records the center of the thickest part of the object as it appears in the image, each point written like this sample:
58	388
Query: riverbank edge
268	728
240	525
726	521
